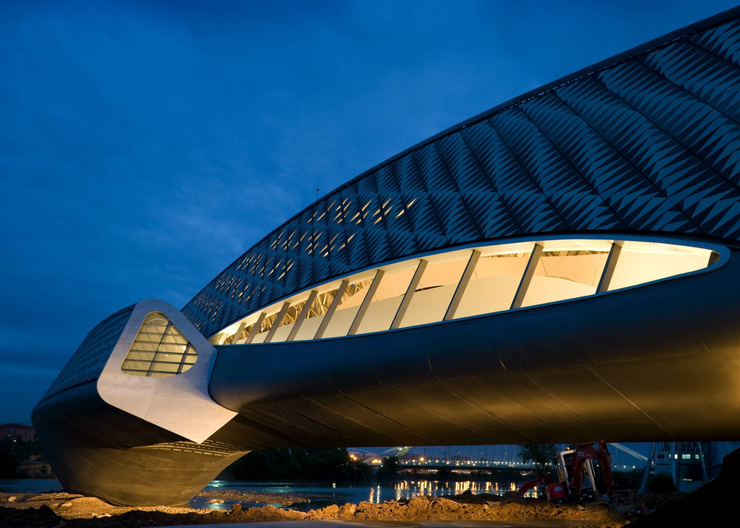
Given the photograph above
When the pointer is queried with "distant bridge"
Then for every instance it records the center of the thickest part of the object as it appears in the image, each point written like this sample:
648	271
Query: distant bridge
436	464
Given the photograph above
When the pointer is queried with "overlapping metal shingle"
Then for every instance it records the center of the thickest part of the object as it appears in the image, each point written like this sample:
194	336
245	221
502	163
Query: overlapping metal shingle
646	143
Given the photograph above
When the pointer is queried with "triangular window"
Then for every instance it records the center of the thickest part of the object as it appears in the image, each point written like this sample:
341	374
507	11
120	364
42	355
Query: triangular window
159	349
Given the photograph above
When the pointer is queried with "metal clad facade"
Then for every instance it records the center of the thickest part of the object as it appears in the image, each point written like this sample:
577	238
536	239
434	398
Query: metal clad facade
648	144
89	360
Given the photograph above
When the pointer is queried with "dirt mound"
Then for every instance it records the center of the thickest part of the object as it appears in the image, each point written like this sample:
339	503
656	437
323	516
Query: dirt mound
470	498
88	512
26	518
443	509
285	499
266	513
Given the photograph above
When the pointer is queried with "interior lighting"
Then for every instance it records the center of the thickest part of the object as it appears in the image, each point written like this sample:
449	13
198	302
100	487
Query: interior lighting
567	269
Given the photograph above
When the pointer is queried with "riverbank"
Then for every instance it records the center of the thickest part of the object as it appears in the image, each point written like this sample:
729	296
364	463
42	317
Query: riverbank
76	511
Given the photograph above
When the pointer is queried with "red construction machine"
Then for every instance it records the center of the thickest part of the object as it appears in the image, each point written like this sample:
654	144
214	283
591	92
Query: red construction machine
577	474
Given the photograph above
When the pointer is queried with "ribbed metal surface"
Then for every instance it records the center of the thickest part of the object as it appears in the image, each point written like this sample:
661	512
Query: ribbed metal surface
89	360
648	144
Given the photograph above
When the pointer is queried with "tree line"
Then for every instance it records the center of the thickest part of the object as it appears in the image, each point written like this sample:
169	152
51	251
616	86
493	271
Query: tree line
298	464
13	453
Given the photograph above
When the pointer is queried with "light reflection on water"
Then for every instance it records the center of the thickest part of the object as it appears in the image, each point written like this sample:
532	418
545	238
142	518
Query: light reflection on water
410	489
321	493
324	494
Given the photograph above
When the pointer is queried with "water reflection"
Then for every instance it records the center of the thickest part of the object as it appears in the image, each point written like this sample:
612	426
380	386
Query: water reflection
321	493
409	489
325	494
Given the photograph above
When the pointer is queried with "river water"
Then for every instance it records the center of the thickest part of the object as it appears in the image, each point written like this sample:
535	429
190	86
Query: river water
327	493
320	493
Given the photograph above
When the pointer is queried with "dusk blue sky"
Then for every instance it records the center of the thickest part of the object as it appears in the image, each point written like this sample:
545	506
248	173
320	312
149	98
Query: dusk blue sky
146	145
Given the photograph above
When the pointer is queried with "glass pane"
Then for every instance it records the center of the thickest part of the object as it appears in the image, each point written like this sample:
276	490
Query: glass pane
144	356
567	269
641	262
165	367
316	314
387	299
144	347
347	310
175	349
173	340
259	338
149	338
286	323
142	366
495	279
267	323
171	358
282	333
436	288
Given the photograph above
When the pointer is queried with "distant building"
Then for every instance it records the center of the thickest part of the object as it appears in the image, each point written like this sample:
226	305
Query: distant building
18	432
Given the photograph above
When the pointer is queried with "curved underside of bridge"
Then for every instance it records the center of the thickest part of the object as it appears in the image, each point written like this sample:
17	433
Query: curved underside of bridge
563	267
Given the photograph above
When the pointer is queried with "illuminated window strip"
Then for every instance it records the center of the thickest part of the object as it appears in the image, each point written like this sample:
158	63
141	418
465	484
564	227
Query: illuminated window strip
538	252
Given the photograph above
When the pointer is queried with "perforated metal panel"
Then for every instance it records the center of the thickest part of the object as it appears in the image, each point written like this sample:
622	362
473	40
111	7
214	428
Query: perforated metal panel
88	361
644	143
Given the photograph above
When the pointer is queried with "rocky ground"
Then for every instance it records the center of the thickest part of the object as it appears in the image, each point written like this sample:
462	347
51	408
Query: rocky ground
64	510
